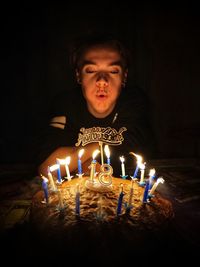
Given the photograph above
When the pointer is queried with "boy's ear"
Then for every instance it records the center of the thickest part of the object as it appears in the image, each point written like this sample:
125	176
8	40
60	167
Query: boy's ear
78	78
125	78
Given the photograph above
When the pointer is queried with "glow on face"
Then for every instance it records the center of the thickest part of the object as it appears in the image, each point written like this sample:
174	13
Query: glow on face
101	78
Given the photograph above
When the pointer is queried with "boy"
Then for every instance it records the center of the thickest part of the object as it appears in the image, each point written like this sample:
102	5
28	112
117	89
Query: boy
101	110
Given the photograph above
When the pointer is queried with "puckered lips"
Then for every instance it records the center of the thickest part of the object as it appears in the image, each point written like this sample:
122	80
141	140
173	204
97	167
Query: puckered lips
102	96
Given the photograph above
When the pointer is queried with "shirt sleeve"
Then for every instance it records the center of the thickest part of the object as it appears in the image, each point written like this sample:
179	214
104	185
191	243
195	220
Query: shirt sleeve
55	132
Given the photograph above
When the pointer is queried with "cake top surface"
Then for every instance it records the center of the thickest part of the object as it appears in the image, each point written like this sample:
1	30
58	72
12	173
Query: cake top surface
121	203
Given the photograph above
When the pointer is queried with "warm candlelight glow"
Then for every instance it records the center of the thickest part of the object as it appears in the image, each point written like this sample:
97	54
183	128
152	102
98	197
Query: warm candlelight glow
107	151
122	166
67	160
122	159
139	162
53	167
139	158
81	152
95	153
152	172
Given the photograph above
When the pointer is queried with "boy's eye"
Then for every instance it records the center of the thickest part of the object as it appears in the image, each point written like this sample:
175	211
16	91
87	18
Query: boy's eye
114	71
90	71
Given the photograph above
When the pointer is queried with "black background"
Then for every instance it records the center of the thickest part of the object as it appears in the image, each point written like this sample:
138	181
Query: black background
34	60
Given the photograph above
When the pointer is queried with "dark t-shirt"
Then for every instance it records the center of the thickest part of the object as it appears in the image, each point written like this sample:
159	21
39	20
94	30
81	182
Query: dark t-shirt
126	129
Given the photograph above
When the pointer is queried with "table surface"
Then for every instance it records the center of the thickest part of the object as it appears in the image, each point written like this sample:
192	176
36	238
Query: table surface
18	183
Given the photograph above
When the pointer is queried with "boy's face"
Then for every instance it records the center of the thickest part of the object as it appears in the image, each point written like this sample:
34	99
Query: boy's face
101	77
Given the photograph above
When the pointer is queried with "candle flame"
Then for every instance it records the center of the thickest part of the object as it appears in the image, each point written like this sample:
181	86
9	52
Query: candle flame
95	153
122	159
107	151
160	180
67	160
139	158
80	154
142	166
61	161
53	167
152	172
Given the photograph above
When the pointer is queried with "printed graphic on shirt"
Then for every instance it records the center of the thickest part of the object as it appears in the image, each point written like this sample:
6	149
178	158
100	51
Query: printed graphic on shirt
106	135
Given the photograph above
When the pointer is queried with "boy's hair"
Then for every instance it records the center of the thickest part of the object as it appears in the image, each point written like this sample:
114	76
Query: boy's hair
95	39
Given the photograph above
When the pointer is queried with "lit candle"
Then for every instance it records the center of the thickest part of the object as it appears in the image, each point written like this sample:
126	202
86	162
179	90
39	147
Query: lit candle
77	200
67	162
139	161
151	177
146	191
52	184
45	188
61	204
93	165
123	168
58	172
159	180
101	150
107	152
129	205
120	199
142	169
79	162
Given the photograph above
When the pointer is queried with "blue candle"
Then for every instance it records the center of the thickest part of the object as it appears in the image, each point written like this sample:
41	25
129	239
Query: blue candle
45	188
79	161
79	166
77	200
136	171
146	192
120	199
107	152
58	172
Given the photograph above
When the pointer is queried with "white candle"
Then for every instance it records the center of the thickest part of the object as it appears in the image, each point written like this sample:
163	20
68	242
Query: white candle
159	180
142	169
67	162
122	166
52	184
151	177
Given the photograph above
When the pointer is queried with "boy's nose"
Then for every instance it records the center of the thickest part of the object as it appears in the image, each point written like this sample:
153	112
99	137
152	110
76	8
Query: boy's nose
102	81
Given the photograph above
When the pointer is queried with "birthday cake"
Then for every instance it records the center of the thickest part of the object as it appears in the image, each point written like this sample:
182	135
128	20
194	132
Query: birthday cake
85	216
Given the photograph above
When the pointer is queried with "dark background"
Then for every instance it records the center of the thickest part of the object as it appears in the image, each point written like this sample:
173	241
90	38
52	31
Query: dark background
34	60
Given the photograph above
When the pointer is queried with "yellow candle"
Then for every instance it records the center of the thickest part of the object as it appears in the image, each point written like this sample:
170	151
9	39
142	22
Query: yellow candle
61	204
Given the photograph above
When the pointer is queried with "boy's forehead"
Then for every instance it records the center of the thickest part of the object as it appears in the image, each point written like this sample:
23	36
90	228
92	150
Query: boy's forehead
101	53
